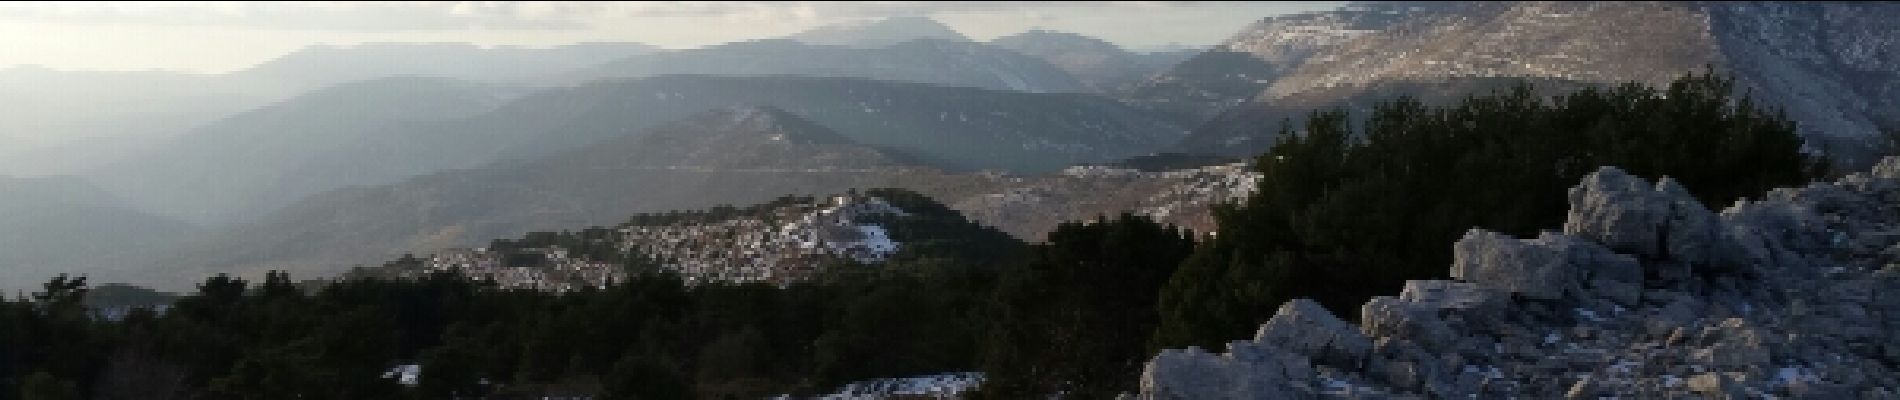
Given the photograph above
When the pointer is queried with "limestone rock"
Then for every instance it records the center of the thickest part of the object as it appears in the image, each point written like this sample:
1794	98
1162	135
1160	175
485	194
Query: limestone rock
1196	374
1496	261
1305	328
1662	222
1888	168
1618	210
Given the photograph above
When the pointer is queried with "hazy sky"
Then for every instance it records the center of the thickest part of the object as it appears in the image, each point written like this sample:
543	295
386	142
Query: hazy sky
220	36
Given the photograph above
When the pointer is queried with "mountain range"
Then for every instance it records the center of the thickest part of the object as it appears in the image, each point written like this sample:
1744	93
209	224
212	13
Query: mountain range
728	155
928	60
84	119
331	139
335	155
734	155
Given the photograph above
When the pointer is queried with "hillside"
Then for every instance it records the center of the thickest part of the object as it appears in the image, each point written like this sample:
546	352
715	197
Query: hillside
786	241
726	156
933	61
86	119
61	225
324	65
333	138
1029	207
1098	64
1250	130
1235	70
49	107
959	128
362	133
733	155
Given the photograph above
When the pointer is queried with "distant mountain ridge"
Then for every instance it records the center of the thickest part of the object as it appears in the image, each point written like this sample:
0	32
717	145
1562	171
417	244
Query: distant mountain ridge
65	225
364	132
924	60
84	119
1102	66
879	32
333	138
323	65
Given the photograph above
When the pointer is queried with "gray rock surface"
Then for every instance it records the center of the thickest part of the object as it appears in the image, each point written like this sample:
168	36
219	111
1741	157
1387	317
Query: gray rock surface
1645	294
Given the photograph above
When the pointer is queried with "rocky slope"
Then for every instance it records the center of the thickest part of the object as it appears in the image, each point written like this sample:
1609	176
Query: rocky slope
1236	70
1825	63
1031	206
1644	293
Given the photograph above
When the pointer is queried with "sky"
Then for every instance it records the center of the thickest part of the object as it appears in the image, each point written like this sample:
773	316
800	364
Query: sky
216	37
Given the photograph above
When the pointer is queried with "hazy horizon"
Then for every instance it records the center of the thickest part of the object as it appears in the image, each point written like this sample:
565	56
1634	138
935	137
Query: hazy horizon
214	37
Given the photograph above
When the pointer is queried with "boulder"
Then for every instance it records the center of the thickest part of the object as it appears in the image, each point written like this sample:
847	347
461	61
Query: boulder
1614	276
1196	374
1529	269
1386	316
1618	210
1473	302
1888	168
1305	328
1663	222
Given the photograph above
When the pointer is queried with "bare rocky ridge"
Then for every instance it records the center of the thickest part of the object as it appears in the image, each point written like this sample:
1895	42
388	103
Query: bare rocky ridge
1234	71
1645	293
1829	65
1645	42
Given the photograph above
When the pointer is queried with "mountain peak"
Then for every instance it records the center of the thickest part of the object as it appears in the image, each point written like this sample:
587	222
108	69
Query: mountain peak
879	33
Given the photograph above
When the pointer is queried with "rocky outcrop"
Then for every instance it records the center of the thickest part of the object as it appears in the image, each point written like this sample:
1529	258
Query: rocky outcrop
1645	293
